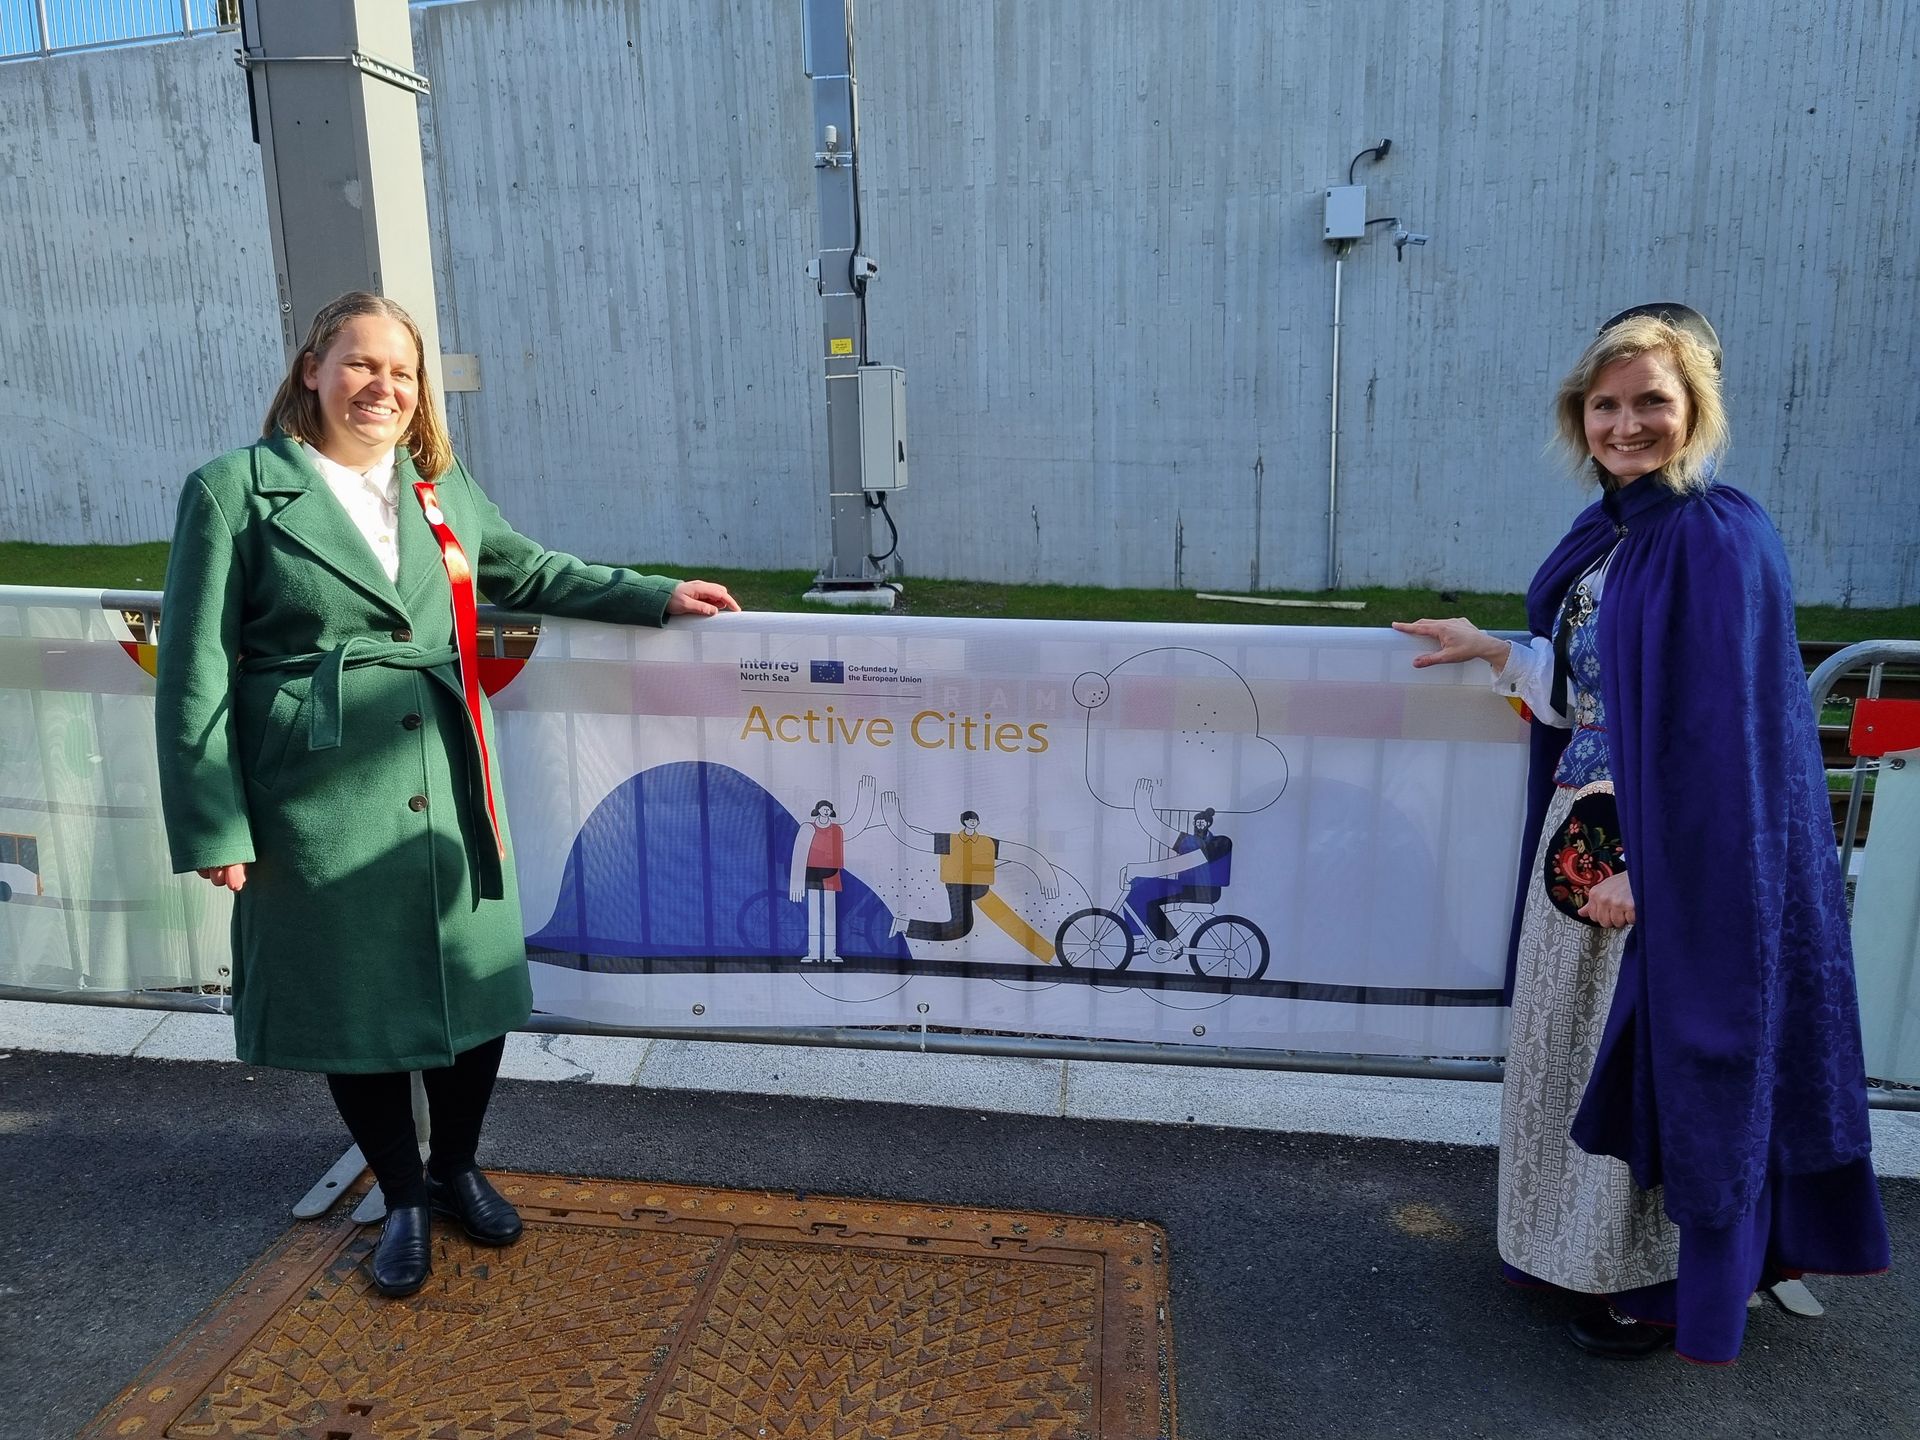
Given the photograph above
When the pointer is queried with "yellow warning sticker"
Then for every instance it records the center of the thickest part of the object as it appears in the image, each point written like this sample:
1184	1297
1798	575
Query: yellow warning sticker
840	347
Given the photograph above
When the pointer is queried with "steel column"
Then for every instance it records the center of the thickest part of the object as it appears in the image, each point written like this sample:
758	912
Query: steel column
829	65
339	131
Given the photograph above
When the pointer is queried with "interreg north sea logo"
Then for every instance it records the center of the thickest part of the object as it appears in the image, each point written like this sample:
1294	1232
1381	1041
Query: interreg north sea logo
828	672
776	672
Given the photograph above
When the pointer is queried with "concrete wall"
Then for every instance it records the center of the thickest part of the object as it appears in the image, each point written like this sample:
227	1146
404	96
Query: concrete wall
1098	229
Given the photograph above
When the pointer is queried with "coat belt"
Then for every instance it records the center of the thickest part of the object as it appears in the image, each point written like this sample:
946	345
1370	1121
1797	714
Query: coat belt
326	720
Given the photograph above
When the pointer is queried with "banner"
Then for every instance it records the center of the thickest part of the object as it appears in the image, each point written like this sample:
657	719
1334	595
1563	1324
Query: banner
1266	836
88	900
1282	837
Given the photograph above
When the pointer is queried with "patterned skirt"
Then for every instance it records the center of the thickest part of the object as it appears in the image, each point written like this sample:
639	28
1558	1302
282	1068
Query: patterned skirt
1573	1219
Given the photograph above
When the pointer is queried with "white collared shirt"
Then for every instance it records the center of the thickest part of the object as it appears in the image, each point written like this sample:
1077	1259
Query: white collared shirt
370	500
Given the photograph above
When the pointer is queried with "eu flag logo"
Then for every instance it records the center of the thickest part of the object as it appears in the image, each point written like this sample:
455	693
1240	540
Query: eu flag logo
828	672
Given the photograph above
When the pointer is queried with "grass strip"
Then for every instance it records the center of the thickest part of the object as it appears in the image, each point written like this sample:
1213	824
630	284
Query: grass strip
141	567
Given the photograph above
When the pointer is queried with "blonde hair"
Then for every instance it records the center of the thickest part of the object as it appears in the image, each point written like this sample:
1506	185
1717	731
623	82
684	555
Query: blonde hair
296	409
1699	375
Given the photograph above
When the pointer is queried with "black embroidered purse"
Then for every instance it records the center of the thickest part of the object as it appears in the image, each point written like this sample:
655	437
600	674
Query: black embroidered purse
1585	850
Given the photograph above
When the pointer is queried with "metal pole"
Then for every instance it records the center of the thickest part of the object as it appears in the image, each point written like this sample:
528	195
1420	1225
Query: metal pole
1861	764
1333	436
843	305
336	109
186	17
46	33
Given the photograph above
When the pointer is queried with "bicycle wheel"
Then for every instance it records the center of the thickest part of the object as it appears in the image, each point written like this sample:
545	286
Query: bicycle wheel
1093	939
1228	947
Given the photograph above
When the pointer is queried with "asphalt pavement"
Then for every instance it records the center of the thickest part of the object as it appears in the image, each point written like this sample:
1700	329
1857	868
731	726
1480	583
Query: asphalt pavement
1322	1285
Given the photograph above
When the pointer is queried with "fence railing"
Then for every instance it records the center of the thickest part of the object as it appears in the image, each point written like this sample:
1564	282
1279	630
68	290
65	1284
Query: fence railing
52	27
511	635
1873	656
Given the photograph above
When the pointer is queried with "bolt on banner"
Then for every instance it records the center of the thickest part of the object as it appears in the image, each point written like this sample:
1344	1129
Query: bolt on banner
1278	837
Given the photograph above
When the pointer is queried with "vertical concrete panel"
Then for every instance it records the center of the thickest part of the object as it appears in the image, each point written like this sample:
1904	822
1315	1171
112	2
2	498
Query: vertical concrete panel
1098	226
137	334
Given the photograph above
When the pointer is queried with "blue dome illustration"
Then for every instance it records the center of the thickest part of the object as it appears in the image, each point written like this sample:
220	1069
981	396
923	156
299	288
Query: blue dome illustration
690	860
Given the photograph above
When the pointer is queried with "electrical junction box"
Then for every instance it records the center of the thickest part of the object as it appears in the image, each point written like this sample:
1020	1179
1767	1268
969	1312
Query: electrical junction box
883	427
1346	212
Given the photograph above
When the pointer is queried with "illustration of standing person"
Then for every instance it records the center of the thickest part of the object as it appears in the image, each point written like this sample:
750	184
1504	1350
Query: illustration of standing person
819	855
1199	866
968	861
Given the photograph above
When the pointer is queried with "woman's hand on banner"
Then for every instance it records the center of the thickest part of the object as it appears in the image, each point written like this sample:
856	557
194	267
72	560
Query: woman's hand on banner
1460	639
700	597
234	877
1610	903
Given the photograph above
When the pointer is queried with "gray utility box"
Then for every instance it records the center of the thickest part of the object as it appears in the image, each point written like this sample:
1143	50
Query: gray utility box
1346	212
883	427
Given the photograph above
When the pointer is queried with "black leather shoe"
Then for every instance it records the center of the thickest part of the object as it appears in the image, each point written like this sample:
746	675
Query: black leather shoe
1607	1332
403	1259
486	1216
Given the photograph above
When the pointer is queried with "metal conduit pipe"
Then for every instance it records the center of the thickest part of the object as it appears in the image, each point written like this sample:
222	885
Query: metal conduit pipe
1333	435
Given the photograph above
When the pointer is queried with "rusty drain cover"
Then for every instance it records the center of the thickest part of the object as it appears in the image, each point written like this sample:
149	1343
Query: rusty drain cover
631	1309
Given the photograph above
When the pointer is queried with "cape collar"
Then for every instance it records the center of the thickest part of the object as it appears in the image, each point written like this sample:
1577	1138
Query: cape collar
1624	505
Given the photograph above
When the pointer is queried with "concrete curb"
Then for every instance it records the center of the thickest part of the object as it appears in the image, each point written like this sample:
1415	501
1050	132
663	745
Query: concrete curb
1450	1112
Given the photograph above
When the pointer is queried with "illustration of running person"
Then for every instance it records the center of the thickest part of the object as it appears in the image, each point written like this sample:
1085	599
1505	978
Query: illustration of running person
1198	868
819	855
968	861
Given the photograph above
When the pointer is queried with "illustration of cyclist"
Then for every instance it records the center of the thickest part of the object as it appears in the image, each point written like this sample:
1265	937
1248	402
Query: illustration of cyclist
1198	867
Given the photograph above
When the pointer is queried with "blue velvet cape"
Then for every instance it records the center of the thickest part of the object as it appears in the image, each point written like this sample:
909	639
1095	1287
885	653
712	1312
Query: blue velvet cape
1732	1050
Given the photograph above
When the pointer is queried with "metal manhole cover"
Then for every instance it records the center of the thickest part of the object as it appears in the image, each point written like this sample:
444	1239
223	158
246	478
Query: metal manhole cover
636	1310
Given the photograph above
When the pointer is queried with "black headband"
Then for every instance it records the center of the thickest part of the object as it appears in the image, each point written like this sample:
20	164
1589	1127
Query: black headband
1681	317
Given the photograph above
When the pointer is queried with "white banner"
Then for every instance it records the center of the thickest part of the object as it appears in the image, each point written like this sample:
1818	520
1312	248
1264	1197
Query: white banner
1222	835
1278	837
88	900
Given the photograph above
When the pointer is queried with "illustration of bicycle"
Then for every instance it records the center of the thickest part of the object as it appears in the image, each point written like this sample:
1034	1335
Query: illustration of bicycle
1220	947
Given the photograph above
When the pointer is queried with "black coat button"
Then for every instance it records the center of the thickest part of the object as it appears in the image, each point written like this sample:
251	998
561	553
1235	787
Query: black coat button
403	635
410	722
418	802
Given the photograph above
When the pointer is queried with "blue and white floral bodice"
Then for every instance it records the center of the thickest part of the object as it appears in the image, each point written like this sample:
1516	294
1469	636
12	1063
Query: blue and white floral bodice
1585	759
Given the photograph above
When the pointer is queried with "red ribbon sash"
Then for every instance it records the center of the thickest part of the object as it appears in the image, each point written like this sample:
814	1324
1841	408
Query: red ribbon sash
466	633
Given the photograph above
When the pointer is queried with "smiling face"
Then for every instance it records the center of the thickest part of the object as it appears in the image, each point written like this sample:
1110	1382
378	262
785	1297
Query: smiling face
1637	415
367	384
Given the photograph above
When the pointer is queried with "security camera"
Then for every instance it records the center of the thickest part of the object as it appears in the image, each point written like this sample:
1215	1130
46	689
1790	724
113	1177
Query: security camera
1403	237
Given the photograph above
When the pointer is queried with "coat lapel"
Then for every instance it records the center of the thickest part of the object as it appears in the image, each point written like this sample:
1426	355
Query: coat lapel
420	562
312	519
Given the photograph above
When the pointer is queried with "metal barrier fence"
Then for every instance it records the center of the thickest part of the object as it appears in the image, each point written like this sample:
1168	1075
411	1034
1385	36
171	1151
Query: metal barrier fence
30	29
1873	656
53	27
505	633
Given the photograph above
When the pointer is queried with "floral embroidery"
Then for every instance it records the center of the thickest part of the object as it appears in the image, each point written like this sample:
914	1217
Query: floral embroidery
1584	851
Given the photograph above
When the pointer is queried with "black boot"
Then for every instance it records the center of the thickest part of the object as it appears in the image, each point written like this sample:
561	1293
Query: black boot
1605	1331
403	1259
484	1213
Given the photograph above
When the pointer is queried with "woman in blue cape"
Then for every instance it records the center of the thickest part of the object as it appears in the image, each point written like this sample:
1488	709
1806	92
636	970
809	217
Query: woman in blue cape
1684	1117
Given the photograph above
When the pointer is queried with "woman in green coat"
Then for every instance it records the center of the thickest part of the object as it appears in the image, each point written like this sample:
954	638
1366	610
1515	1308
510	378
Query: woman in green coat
323	757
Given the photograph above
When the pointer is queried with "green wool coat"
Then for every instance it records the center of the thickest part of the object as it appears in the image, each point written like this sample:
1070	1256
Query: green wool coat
311	723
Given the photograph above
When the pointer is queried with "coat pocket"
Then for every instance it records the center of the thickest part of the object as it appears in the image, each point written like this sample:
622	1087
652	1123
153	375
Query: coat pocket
286	726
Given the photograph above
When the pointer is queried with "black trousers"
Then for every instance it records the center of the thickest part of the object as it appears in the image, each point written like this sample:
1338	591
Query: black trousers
378	1109
959	921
